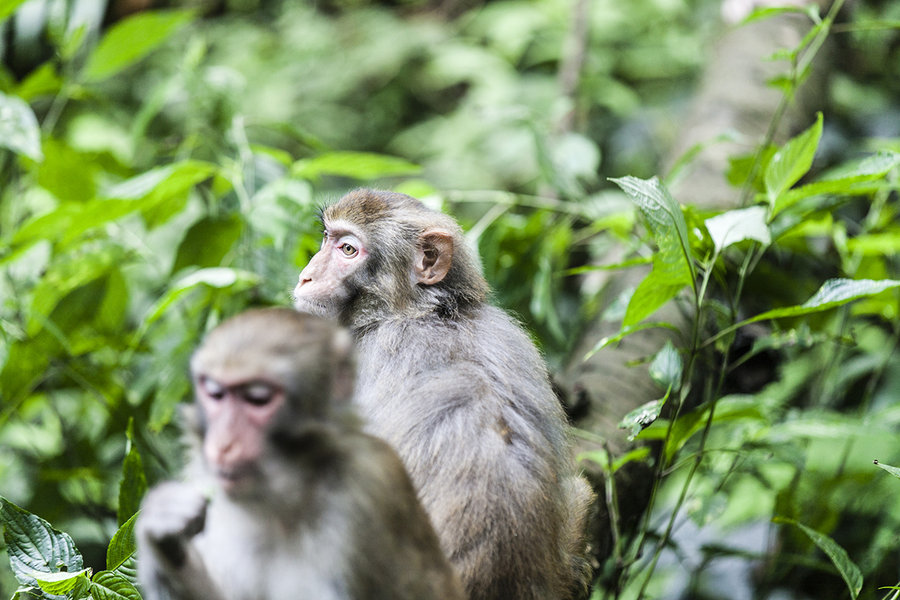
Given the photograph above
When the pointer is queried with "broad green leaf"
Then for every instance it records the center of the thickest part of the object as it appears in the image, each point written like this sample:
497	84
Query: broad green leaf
666	367
358	165
848	570
833	293
8	7
875	244
130	40
33	545
62	582
207	242
66	275
737	225
791	162
624	333
641	417
19	129
107	585
120	554
892	470
43	81
134	481
654	291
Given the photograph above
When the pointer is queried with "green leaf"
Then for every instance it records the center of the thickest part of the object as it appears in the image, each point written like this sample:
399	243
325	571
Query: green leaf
34	546
848	570
640	418
207	242
666	367
851	179
791	162
130	40
62	582
833	293
8	7
357	165
892	470
19	129
120	554
134	481
737	225
218	278
673	263
107	585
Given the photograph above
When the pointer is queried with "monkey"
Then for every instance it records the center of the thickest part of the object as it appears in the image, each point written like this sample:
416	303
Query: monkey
284	495
457	387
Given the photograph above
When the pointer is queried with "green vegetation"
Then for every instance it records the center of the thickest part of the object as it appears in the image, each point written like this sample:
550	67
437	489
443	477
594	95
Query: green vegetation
166	172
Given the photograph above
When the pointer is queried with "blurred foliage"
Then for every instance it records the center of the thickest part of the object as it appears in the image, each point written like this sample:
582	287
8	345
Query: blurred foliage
163	171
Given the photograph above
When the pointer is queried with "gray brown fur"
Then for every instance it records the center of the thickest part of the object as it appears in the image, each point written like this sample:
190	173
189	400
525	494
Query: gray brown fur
460	391
335	516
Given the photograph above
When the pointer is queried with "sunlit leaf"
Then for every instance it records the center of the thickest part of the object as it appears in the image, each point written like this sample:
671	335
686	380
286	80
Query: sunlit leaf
357	165
653	291
19	129
641	417
737	225
217	277
791	162
8	7
207	242
131	39
33	545
848	570
62	582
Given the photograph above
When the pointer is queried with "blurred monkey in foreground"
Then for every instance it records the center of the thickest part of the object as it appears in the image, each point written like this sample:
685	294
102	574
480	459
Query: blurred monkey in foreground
303	504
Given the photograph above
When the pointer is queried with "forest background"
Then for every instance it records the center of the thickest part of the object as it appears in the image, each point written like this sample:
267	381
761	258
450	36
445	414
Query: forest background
161	169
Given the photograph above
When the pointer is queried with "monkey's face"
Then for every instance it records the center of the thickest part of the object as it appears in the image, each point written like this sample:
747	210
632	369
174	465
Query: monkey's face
238	416
325	283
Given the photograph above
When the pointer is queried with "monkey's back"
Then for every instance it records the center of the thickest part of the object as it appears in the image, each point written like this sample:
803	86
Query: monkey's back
485	441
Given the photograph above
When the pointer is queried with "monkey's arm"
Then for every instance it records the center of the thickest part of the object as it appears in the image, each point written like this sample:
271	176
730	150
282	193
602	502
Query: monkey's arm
169	565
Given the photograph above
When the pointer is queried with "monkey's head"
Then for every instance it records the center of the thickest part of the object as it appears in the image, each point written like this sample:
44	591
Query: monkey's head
261	379
386	254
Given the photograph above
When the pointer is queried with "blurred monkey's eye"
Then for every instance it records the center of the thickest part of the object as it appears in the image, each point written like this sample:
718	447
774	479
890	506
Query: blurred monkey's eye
258	393
212	388
348	249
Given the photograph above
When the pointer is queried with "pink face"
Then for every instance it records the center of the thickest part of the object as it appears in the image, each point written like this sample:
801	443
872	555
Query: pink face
322	288
238	414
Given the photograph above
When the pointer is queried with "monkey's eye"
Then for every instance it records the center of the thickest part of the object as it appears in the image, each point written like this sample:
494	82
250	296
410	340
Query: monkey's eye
348	249
212	388
258	393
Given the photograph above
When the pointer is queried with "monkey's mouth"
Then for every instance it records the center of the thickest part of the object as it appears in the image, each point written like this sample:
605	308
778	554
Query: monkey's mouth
233	479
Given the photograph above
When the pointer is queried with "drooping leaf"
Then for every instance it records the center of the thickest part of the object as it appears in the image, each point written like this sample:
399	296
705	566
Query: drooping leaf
666	367
833	293
35	546
651	293
847	568
19	129
358	165
131	39
217	277
791	162
107	585
737	225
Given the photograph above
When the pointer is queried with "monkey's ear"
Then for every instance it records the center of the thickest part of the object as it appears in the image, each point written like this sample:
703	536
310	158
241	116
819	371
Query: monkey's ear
434	254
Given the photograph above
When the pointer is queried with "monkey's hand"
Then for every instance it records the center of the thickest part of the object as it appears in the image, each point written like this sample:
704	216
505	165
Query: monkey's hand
171	514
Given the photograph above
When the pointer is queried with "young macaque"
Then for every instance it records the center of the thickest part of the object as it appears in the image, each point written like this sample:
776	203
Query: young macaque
285	497
459	390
